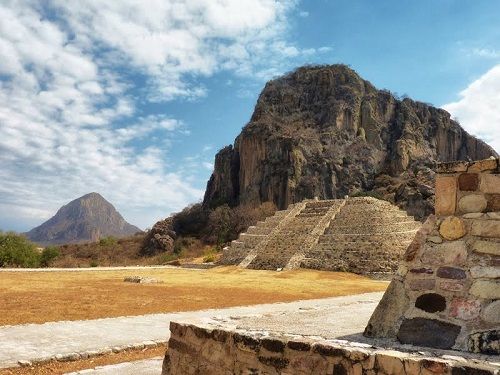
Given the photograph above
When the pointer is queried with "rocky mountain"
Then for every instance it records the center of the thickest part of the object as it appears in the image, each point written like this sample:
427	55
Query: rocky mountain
85	219
326	132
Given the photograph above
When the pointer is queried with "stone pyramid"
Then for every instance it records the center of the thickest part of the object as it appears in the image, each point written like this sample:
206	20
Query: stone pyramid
361	234
446	293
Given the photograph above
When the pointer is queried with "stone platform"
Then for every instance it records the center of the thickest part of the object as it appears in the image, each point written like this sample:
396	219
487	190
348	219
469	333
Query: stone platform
317	338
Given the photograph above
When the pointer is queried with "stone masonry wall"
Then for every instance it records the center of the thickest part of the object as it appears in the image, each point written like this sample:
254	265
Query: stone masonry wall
446	293
212	351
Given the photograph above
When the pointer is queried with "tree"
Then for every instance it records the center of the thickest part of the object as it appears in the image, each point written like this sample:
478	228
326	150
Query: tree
17	251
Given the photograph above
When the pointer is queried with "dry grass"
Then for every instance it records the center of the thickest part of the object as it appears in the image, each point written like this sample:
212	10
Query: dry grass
37	297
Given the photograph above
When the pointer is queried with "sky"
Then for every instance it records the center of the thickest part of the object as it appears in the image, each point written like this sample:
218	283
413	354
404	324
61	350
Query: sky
132	99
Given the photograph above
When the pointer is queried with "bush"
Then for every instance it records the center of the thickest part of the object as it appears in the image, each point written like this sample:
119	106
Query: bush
108	241
191	221
210	256
93	263
17	251
48	255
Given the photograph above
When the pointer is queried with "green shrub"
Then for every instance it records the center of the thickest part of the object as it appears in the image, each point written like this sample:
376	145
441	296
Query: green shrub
167	257
108	241
94	263
17	251
48	255
210	255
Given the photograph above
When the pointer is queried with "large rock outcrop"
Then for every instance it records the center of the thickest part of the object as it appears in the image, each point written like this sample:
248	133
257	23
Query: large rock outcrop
325	132
85	219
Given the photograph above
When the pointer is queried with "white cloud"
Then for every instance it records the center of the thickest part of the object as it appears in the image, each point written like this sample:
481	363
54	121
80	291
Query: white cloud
478	108
70	118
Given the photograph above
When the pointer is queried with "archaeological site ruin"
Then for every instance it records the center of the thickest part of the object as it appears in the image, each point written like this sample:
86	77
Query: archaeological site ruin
360	235
439	315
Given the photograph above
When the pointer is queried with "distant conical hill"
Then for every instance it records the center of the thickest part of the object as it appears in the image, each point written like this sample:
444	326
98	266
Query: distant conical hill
85	219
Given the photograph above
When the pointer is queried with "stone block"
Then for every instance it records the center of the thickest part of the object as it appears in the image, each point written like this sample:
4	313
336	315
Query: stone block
452	253
451	273
483	165
431	302
446	192
421	284
465	309
389	363
472	203
452	228
468	181
486	289
490	183
452	167
451	285
486	342
484	272
428	332
419	240
493	202
486	228
422	270
491	313
487	247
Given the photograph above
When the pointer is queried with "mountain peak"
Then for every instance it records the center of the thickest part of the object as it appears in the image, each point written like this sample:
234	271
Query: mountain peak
84	219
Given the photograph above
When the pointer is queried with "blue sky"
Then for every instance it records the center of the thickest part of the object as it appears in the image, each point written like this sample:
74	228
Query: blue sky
133	98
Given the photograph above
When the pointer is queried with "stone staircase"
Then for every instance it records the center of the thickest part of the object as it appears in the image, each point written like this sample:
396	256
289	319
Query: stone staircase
361	235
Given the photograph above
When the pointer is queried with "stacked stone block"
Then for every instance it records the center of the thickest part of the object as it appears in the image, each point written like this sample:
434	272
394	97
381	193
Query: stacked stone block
446	293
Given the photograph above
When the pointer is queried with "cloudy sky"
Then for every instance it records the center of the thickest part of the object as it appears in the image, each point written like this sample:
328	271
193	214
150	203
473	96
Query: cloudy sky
133	98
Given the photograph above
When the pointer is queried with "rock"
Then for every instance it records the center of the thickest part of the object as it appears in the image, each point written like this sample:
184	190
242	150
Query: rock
483	165
431	302
428	332
435	239
487	247
383	322
491	313
452	228
159	239
421	284
419	240
493	202
485	228
452	167
468	181
487	342
484	272
490	183
451	285
493	215
473	215
451	273
142	280
446	191
303	141
472	203
465	309
422	270
485	289
453	253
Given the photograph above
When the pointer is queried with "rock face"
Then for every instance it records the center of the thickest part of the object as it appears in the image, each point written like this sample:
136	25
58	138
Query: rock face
85	219
160	238
325	132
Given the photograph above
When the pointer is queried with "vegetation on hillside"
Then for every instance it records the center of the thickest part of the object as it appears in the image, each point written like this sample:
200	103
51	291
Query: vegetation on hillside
17	251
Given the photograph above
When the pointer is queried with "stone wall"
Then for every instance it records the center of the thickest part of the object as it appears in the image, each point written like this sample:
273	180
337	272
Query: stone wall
210	351
446	293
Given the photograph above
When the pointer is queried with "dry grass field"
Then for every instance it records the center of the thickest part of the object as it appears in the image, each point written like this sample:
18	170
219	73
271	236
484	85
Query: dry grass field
37	297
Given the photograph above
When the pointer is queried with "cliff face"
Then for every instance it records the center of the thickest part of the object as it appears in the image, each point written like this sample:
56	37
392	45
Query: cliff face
326	132
85	219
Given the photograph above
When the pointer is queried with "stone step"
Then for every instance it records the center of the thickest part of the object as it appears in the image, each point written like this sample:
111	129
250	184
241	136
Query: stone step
373	228
251	239
341	246
259	230
409	235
